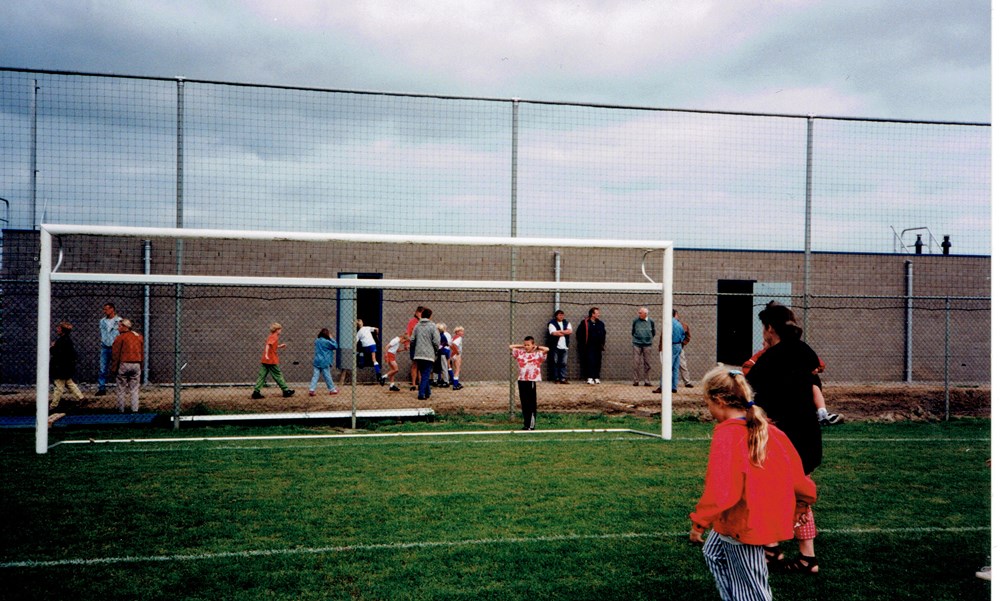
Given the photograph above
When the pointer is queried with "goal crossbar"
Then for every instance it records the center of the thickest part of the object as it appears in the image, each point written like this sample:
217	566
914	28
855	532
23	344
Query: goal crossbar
48	275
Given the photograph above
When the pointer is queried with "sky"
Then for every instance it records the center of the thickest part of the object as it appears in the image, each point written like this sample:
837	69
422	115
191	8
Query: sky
897	59
345	154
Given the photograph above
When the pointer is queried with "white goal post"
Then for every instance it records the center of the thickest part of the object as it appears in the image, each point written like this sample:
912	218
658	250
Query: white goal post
51	270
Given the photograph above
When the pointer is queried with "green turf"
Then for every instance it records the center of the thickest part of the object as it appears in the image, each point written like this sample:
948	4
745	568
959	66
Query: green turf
903	514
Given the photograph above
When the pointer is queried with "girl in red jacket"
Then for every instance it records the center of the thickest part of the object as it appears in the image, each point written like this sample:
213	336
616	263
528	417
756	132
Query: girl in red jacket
755	489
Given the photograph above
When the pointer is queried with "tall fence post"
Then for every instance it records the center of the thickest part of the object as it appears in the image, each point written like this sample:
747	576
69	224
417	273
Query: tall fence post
513	251
947	358
807	244
179	247
908	322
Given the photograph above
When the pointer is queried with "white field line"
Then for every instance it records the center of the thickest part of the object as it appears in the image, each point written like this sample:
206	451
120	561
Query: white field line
356	436
438	544
400	437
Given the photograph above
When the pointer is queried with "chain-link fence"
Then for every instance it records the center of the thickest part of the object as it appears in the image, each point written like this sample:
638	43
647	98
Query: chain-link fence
877	232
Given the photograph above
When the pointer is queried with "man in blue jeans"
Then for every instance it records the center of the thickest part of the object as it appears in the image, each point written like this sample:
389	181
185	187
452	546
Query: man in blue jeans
677	345
109	331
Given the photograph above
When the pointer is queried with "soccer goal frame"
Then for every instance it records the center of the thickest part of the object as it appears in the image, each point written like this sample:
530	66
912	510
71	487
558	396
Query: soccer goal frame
50	274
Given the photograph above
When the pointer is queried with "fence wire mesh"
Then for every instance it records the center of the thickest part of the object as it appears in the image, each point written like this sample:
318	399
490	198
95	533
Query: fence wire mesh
876	232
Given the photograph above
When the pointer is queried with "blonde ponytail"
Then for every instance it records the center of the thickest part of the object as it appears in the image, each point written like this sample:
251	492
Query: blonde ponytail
729	387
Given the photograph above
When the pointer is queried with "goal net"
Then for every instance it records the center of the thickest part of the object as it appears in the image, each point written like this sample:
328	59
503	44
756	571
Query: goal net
205	301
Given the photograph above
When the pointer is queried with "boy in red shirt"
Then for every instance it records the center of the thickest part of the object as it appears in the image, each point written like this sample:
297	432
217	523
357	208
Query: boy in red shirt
755	488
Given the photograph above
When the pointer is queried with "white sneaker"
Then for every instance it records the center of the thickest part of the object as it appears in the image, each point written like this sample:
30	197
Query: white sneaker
986	573
597	380
590	381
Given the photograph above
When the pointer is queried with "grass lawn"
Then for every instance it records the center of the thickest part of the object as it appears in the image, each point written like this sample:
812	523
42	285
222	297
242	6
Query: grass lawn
903	514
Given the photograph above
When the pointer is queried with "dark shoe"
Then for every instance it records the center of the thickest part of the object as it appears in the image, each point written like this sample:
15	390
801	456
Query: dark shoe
382	381
647	384
457	387
101	392
635	383
421	397
393	388
657	390
832	419
803	564
775	559
689	385
256	395
413	387
287	392
673	390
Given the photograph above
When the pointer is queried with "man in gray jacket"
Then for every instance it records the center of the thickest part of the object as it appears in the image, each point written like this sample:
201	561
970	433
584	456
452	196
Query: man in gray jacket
423	345
643	334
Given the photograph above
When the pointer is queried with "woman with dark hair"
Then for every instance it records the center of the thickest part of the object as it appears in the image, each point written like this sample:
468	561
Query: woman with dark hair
782	380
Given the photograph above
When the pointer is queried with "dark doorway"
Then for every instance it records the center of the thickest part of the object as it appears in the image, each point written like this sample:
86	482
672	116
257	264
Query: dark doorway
734	321
366	304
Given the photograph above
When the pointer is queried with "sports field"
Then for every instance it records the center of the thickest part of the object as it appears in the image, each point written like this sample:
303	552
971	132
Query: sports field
903	513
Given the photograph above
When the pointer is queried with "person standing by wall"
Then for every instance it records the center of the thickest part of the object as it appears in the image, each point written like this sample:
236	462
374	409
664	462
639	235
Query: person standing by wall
423	351
457	344
590	338
558	340
682	360
108	326
529	359
677	345
406	345
643	334
126	362
62	364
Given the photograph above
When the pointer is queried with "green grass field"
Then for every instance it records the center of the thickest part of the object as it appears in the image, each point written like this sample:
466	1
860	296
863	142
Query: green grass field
904	513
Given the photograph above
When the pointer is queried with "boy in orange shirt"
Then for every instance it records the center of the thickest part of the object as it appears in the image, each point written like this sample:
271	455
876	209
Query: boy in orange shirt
269	365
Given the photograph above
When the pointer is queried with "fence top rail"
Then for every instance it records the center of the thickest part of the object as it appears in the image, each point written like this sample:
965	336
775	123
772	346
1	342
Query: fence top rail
155	232
514	100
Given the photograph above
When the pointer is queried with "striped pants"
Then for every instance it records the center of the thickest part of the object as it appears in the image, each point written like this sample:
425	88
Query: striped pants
740	570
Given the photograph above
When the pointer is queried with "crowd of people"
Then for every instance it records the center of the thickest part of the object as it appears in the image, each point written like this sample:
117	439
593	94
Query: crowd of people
121	357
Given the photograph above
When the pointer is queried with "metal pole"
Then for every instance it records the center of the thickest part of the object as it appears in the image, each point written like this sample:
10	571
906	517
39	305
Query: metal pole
354	361
947	358
807	254
179	247
34	156
513	251
908	324
147	265
42	359
667	356
558	268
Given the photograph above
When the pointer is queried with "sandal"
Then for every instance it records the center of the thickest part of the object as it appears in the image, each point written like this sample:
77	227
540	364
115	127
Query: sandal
775	559
803	564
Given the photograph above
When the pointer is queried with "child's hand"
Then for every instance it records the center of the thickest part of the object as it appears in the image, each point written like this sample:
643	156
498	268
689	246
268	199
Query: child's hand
696	533
801	511
282	345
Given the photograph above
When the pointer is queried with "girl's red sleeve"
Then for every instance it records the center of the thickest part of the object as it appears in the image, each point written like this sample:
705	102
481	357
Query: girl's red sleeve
727	465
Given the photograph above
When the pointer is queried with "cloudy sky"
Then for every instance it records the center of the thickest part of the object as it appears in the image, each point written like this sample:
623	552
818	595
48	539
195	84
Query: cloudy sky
323	160
899	59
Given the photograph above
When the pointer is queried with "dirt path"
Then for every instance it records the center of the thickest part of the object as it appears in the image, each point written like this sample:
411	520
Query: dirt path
880	402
